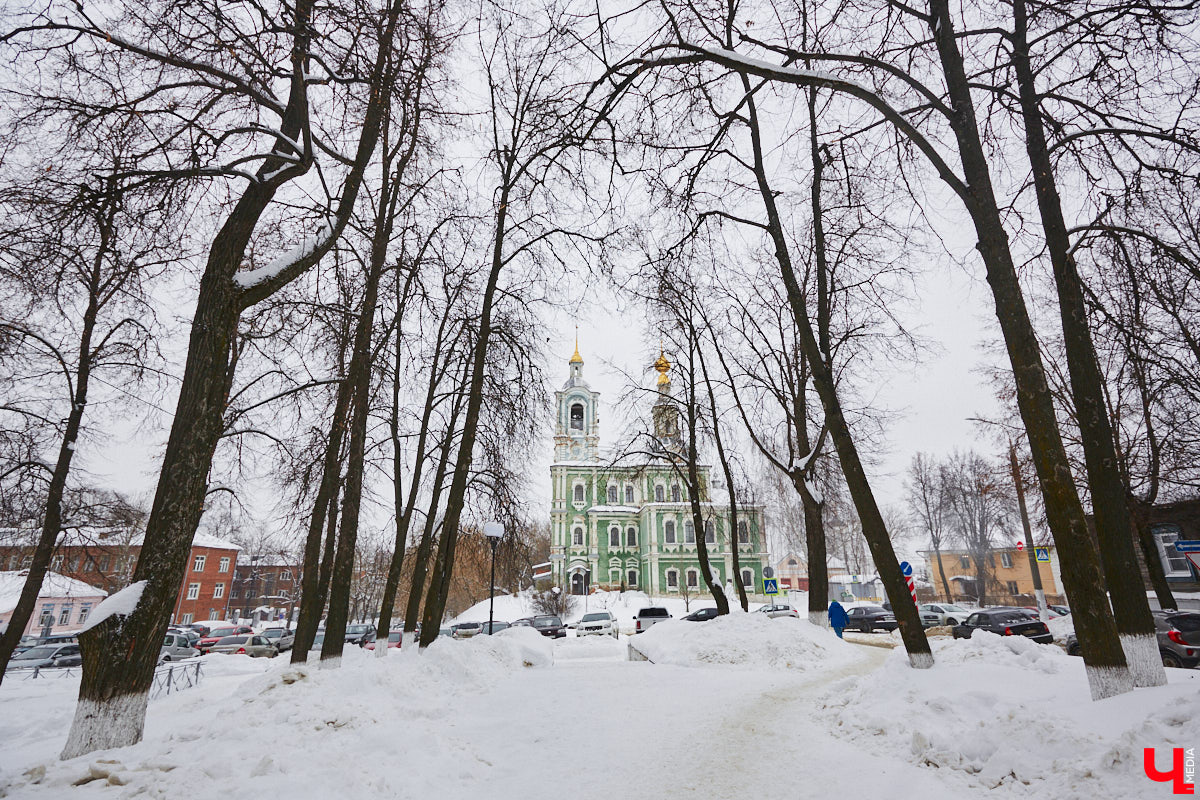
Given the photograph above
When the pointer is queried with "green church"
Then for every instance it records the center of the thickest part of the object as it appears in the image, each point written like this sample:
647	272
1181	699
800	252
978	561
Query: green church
623	525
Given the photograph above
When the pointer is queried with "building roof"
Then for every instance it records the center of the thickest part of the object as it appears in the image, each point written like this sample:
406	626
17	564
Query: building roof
53	586
104	537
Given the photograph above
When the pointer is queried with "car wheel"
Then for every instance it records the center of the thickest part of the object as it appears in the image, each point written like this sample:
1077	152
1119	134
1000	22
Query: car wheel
1074	650
1171	660
166	658
951	621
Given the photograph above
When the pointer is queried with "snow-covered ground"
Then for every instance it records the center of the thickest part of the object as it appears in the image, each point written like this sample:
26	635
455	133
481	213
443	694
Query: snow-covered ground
738	706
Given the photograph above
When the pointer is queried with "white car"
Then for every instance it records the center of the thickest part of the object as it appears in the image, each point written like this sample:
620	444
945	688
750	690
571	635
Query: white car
597	622
774	611
946	613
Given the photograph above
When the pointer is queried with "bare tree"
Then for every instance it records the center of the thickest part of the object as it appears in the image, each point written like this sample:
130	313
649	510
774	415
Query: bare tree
929	502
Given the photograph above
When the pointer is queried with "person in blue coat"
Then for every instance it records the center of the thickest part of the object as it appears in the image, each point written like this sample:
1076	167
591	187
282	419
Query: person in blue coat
837	618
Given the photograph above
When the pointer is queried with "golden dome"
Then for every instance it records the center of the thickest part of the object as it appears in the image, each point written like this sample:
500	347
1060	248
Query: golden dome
576	359
663	366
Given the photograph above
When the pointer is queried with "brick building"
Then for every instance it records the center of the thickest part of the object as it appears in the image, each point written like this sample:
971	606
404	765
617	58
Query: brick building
1010	578
265	586
105	557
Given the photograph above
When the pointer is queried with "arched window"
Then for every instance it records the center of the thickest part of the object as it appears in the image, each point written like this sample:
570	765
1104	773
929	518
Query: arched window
579	493
710	532
672	579
659	494
675	497
631	537
628	495
632	575
689	533
614	536
669	532
743	532
577	416
693	578
747	579
612	494
792	562
577	537
614	576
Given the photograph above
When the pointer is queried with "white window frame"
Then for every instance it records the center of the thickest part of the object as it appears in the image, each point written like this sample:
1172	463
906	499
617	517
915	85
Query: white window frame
186	619
223	564
1174	566
669	536
577	536
614	536
743	532
660	493
676	493
631	578
964	562
56	563
710	532
689	533
693	578
631	537
84	610
613	498
285	575
218	591
673	579
748	573
198	563
1006	560
193	591
628	495
64	615
578	494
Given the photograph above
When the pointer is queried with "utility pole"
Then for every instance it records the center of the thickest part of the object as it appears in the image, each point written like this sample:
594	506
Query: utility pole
1029	548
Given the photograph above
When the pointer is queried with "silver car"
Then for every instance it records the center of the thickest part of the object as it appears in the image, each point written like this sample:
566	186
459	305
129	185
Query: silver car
282	638
253	645
943	614
597	623
176	647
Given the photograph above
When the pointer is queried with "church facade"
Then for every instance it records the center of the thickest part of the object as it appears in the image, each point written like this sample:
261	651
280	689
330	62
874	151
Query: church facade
629	526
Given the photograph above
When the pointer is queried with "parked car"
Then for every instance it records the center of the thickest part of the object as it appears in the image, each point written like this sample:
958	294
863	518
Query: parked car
947	613
775	610
24	643
465	630
318	641
253	645
869	618
1050	612
46	656
649	616
204	645
598	623
191	634
176	647
701	615
449	632
1005	621
394	637
209	625
282	638
1062	611
549	625
493	627
1178	638
360	634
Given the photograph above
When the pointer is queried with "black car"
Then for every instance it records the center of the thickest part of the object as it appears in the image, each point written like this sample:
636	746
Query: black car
360	634
549	625
869	618
701	615
1005	621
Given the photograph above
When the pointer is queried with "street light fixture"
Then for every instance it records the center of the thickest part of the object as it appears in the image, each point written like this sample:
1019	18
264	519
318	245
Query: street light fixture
494	531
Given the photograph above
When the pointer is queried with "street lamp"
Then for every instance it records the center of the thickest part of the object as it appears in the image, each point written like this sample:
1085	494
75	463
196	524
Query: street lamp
494	531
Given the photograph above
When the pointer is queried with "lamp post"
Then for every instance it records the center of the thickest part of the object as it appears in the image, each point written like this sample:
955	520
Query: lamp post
494	531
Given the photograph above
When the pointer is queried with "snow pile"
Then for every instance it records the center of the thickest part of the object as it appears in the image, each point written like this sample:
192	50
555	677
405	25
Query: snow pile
120	604
1008	712
1061	627
748	640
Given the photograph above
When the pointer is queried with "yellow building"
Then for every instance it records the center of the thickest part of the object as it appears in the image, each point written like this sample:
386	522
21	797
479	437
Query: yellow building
1010	579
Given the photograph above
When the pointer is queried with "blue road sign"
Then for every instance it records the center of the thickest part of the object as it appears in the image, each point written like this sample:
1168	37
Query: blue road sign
1187	545
771	586
906	568
1041	553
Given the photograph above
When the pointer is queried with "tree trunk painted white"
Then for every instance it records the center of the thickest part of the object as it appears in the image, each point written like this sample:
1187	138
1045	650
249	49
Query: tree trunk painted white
1043	612
1108	681
381	646
1145	663
819	618
106	724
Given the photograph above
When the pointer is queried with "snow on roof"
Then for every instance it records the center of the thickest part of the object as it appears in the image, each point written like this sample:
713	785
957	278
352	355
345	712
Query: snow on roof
103	536
614	509
54	585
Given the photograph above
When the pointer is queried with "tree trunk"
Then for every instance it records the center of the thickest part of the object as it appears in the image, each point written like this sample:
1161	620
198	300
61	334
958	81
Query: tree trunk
818	559
1145	538
937	552
874	528
1104	658
1131	610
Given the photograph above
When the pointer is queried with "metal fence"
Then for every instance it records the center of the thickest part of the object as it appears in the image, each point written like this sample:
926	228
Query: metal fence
168	677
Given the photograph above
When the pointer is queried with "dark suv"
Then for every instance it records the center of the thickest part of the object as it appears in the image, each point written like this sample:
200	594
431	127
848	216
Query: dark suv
549	625
648	616
1005	621
868	618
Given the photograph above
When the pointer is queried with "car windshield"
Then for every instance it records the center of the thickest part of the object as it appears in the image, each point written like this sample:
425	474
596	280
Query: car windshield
959	609
547	622
274	633
1186	623
357	628
1015	615
234	640
222	632
462	625
45	651
873	610
394	636
653	612
600	617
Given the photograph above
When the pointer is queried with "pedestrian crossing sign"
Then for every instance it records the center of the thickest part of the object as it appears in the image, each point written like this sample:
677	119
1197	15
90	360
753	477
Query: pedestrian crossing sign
1041	553
770	586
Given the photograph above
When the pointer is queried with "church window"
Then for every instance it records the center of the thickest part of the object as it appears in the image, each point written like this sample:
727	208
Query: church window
577	537
631	537
747	578
689	533
614	576
710	532
659	494
629	495
632	581
612	494
614	537
743	532
792	562
669	532
577	417
675	493
579	493
672	579
693	578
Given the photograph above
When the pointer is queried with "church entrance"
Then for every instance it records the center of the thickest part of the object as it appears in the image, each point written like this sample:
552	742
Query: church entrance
577	583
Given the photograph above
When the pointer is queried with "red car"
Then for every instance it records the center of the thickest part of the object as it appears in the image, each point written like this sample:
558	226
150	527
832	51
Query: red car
393	640
217	634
